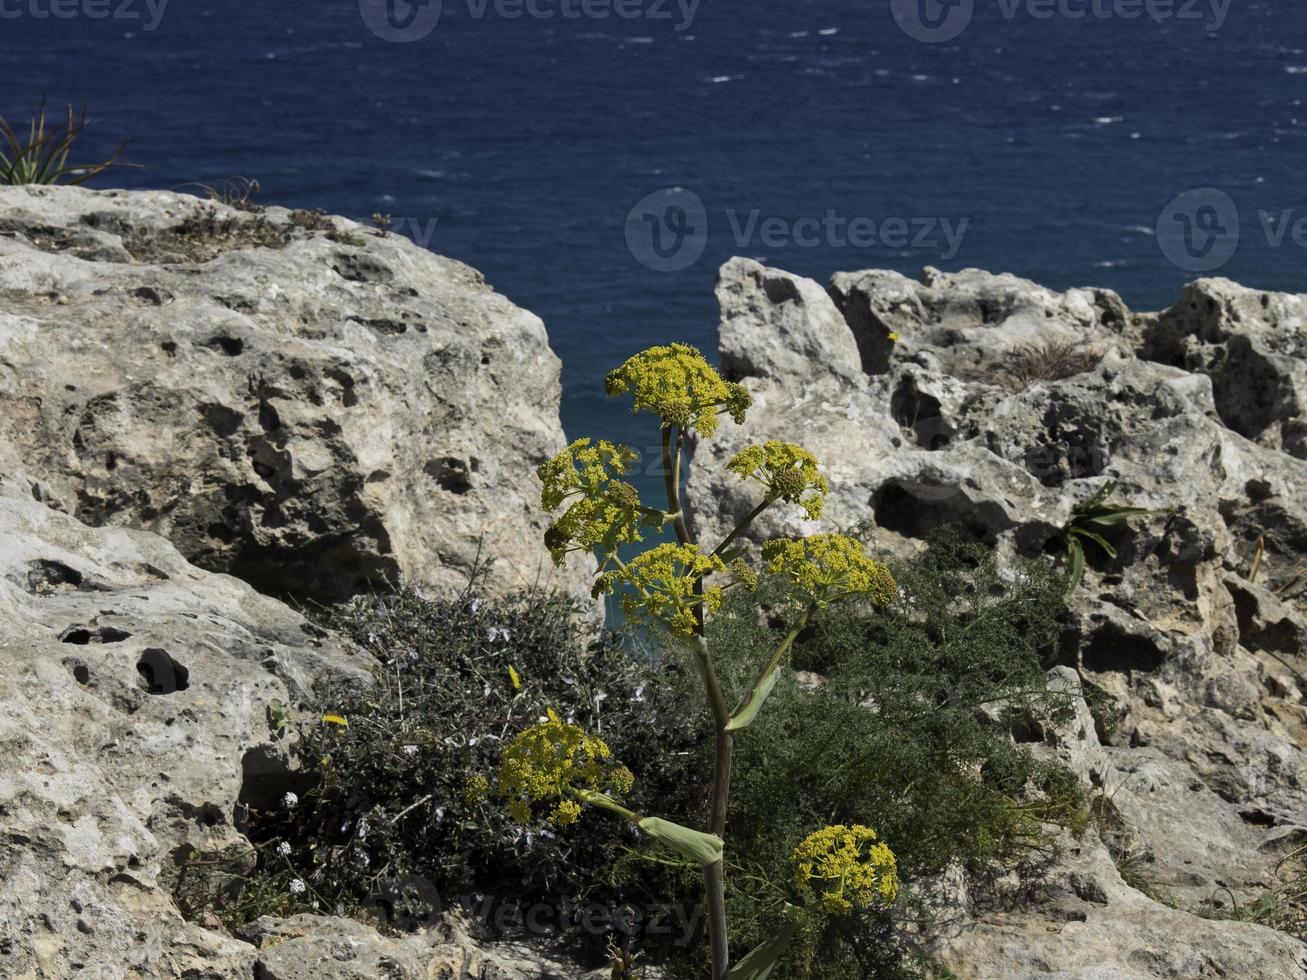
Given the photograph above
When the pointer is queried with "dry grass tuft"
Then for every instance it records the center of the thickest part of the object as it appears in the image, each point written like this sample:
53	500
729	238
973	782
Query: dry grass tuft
1052	360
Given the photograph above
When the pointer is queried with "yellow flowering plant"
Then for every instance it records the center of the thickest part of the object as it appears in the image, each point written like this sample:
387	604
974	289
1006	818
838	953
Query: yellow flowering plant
846	869
676	585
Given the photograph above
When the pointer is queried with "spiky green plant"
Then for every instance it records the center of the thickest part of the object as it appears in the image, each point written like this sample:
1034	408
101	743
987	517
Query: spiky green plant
41	156
1088	520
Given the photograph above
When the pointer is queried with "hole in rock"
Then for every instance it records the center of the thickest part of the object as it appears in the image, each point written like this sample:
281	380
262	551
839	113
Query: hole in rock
1110	649
81	673
920	412
1257	818
266	777
913	509
231	346
161	673
45	576
451	473
82	635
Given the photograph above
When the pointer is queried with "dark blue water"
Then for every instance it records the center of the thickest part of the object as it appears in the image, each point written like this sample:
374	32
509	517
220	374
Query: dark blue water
527	142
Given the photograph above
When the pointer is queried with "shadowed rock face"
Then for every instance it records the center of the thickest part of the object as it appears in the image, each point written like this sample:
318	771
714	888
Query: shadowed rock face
290	398
999	406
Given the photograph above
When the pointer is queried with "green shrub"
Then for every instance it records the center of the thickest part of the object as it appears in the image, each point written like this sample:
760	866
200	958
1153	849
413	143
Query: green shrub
384	822
904	733
904	730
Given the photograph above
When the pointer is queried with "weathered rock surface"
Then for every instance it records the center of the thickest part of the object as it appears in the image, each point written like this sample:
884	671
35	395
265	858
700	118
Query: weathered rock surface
136	720
995	405
310	947
294	399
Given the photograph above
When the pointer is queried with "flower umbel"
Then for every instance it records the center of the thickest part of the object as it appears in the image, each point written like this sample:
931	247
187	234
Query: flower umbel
552	761
680	387
663	581
846	868
827	567
786	470
607	511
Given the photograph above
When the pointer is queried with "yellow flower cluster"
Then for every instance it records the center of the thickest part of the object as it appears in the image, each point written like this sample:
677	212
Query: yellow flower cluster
846	868
786	470
827	567
607	512
548	760
680	387
662	581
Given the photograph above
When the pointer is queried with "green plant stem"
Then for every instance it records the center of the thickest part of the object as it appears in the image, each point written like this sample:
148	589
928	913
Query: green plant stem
724	743
739	528
604	801
761	684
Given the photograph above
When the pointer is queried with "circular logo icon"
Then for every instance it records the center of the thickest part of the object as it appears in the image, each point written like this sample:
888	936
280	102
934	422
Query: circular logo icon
406	902
932	21
1199	230
668	229
400	21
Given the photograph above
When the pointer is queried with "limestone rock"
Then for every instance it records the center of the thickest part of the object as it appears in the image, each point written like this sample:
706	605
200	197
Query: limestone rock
288	397
995	408
1253	345
134	697
309	947
138	718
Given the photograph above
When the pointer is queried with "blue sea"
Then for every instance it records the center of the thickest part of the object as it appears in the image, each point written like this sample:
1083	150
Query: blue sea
1052	137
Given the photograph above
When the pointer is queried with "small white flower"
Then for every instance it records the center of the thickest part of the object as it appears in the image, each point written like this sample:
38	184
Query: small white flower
283	849
410	750
440	814
363	828
290	799
297	887
475	605
316	903
363	859
638	696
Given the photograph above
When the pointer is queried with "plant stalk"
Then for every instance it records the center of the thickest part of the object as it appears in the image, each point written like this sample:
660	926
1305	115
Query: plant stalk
714	874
